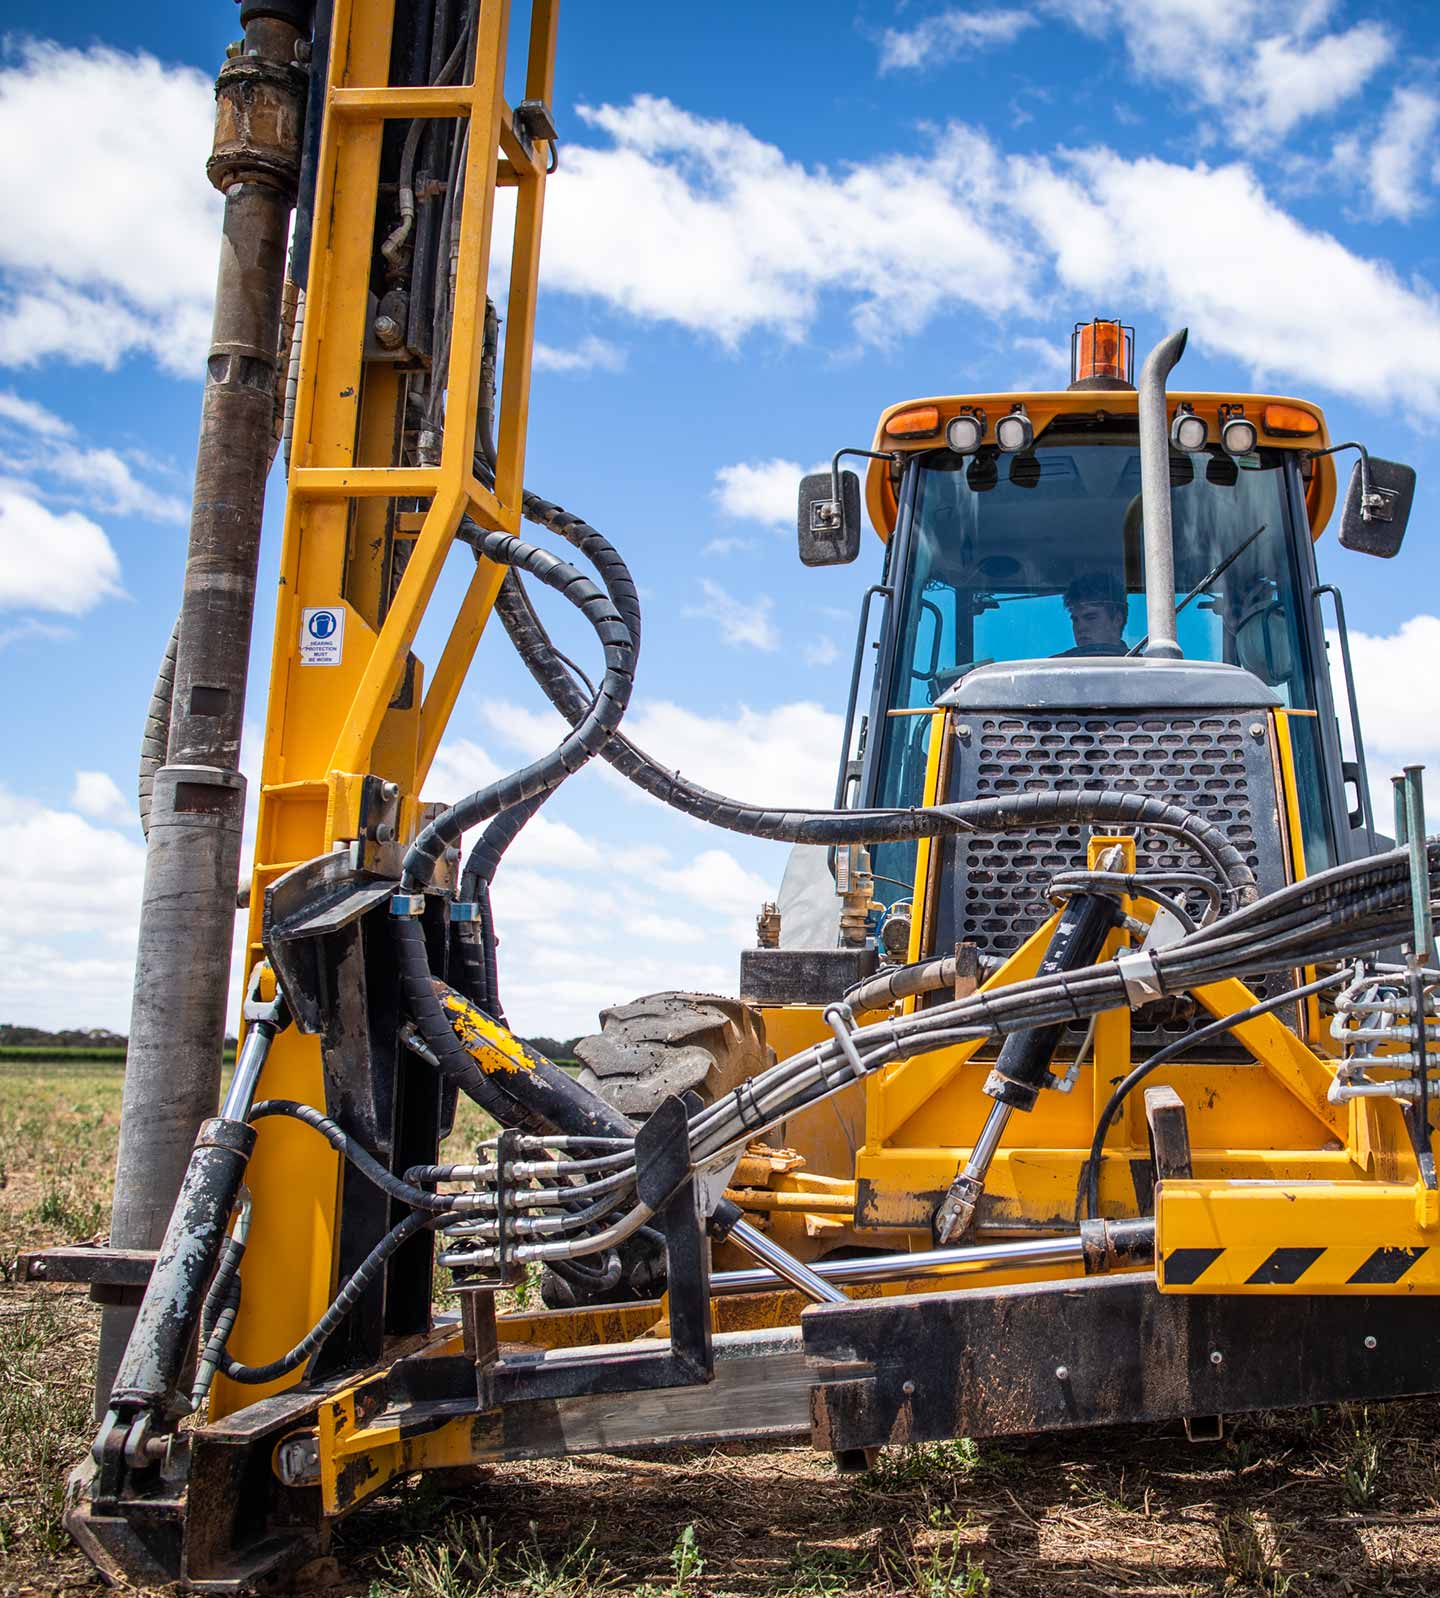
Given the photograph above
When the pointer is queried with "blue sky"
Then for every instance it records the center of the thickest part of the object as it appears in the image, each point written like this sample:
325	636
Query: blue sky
769	223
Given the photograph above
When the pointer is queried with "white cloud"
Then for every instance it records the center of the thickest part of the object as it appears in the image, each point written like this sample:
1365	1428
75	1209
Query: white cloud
787	755
1047	364
92	874
589	355
1399	724
120	252
949	34
460	766
695	221
52	561
821	652
1398	164
761	491
1399	729
717	880
1208	246
31	627
33	418
663	929
109	484
1267	65
741	621
97	794
720	547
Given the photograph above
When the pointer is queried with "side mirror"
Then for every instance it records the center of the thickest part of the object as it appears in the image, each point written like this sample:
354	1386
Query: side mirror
1375	524
829	532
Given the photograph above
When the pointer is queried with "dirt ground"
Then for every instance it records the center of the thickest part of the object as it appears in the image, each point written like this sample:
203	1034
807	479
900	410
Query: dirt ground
1323	1503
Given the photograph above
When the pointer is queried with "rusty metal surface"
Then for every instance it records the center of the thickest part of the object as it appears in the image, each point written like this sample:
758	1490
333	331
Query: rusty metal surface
1020	1360
108	1267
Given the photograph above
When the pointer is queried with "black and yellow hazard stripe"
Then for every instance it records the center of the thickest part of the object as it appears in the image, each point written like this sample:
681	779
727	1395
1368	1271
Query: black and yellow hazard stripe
1316	1268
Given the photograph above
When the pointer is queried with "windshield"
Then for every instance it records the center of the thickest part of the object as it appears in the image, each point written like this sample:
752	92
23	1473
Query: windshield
1019	557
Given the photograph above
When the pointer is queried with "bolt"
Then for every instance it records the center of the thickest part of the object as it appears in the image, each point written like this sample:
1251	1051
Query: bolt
390	790
963	730
234	48
1062	1373
907	1388
384	832
37	1267
1216	1357
1257	729
1370	1342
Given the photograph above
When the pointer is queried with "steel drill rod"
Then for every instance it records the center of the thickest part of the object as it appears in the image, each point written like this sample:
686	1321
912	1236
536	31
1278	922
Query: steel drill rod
187	912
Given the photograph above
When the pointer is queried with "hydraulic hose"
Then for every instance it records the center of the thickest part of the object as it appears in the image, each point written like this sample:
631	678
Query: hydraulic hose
364	1276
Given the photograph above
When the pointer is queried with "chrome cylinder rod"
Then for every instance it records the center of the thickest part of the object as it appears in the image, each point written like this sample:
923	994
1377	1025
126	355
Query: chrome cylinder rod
782	1264
1024	1254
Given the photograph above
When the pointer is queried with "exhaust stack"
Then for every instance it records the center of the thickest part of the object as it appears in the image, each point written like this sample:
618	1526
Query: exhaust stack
1155	497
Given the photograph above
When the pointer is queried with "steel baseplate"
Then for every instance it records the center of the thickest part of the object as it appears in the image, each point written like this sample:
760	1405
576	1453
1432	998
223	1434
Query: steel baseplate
1101	1352
251	1498
215	1517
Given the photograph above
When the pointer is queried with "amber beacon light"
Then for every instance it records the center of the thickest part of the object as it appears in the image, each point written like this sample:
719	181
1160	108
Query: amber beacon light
1102	349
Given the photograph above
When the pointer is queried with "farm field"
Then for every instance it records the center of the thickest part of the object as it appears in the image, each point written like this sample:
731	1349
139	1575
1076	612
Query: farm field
1320	1504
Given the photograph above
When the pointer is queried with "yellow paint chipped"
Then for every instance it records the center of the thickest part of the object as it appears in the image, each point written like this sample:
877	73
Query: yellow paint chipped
486	1042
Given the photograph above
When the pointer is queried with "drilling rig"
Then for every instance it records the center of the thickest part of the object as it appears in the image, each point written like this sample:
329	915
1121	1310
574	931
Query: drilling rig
1080	1074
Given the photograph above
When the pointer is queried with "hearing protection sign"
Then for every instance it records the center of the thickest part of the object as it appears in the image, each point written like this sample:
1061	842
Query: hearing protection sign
322	636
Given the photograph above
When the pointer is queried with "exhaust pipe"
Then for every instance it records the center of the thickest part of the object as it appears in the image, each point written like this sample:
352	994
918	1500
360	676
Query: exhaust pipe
1155	497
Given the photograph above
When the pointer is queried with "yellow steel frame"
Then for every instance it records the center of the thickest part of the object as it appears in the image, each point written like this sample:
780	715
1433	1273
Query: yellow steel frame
327	727
1268	1120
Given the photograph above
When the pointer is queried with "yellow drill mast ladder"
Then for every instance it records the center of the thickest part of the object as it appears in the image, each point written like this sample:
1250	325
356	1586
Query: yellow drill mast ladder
330	727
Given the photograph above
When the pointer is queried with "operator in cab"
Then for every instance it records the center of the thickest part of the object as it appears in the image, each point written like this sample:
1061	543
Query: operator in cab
1096	603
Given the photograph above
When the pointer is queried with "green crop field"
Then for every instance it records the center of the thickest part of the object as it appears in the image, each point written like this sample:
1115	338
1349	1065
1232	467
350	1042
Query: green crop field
1320	1504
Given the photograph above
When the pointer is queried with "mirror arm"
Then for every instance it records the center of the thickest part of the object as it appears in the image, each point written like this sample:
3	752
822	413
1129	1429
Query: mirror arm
835	511
1369	501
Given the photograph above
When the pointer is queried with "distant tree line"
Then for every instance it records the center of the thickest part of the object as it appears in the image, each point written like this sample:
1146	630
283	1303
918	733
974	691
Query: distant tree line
71	1038
553	1048
35	1037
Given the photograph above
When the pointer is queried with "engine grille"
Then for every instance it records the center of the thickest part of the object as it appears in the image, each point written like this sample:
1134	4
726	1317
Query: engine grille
1209	761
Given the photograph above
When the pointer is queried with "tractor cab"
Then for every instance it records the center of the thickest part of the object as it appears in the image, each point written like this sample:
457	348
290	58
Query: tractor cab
1014	532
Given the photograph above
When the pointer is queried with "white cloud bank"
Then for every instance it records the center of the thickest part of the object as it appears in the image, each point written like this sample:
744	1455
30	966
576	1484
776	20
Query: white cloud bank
116	227
52	561
696	222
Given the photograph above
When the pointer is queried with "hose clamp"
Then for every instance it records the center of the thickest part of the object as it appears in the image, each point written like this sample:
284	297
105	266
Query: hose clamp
1141	979
407	904
464	909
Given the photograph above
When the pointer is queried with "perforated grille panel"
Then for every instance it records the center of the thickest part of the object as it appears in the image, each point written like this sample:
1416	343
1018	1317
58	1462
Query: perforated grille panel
1211	762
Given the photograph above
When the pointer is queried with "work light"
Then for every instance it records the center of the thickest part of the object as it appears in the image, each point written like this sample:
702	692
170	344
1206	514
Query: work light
1188	432
1014	432
1238	436
964	432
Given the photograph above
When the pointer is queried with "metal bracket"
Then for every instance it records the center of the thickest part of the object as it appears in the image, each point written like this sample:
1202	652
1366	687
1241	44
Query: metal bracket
1142	981
532	120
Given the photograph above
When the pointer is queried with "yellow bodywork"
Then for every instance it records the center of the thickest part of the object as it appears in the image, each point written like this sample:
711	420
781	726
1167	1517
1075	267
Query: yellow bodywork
327	727
1045	408
1276	1166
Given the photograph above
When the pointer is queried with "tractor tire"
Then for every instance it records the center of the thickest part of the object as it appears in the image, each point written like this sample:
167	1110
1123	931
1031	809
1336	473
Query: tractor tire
672	1043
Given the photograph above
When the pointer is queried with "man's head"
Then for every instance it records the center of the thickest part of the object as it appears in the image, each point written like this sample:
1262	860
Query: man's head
1096	602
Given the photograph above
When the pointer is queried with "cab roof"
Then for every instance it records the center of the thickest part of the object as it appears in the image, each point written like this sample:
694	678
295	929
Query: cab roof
1046	408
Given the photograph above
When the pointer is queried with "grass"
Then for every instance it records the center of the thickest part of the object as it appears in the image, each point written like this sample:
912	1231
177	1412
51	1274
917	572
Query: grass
1312	1504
